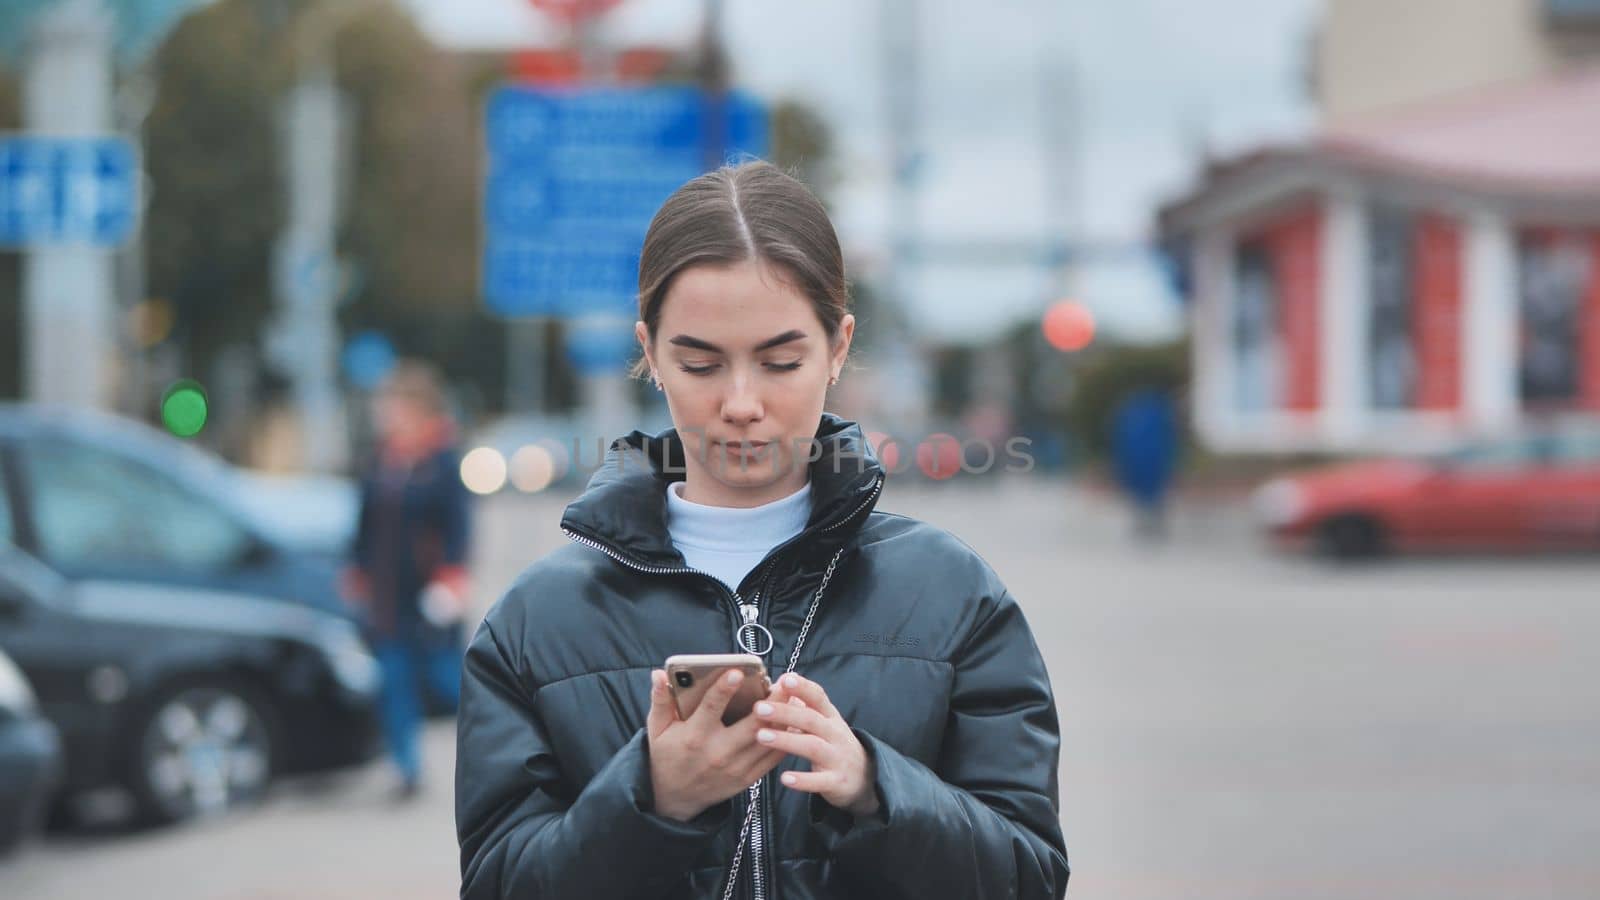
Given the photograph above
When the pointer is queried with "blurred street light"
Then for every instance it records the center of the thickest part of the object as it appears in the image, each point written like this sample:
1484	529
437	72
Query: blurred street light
483	470
1068	326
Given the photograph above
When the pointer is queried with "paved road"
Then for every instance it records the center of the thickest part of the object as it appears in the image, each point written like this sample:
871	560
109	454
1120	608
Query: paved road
1236	725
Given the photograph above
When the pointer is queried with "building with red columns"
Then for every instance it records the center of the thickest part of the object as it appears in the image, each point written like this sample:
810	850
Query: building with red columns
1402	281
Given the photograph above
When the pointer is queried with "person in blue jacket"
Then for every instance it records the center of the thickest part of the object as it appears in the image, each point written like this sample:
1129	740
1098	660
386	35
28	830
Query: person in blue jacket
408	576
1144	449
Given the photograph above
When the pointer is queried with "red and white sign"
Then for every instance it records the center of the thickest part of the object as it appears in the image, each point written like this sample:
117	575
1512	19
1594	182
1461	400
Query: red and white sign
573	10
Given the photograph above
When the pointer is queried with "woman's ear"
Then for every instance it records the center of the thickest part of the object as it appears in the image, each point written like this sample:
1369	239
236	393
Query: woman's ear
642	334
841	350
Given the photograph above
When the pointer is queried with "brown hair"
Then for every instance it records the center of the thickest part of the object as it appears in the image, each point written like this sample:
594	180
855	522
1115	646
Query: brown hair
419	383
751	211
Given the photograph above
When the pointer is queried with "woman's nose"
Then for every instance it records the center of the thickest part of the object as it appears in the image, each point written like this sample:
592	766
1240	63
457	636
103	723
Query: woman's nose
743	402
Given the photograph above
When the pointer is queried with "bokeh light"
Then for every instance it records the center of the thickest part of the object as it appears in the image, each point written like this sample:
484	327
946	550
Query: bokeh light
183	408
1068	326
886	448
150	321
939	456
483	470
532	468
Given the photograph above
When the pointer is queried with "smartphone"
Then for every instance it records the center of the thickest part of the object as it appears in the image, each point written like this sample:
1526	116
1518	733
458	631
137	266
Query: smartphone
690	675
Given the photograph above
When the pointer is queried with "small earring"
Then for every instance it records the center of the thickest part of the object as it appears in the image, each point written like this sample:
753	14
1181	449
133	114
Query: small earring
833	380
657	379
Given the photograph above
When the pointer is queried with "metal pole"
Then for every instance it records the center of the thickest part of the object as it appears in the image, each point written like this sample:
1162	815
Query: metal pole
607	402
1061	132
133	103
714	82
69	339
305	338
899	24
525	371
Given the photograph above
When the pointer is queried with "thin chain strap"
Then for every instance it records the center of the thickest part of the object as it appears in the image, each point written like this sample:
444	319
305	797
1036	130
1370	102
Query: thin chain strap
755	789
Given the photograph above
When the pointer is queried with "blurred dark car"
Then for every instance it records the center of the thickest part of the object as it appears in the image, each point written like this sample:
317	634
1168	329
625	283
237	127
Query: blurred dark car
30	757
100	497
192	699
1540	491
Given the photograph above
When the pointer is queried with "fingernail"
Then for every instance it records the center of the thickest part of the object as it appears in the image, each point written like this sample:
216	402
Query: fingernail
791	680
733	677
764	709
764	736
788	778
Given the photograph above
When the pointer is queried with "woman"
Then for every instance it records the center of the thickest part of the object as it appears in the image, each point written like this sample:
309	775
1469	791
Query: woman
408	578
912	752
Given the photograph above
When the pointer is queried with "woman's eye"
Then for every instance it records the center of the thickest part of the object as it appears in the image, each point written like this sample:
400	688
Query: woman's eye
697	370
783	367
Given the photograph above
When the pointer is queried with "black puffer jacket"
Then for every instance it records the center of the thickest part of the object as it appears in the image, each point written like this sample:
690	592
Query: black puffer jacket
916	641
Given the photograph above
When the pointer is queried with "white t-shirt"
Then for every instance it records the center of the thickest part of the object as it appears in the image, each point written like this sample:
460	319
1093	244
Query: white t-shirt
728	541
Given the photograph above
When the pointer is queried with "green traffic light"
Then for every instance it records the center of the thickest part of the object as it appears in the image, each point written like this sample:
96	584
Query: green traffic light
183	408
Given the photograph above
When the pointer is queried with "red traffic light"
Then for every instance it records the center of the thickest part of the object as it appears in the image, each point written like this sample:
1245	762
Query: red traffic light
1068	326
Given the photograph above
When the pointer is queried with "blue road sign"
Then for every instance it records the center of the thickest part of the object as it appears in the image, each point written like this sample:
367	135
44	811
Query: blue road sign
574	177
67	191
598	345
368	358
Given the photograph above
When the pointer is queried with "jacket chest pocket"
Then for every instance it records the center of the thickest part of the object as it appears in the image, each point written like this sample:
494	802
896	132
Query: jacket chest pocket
903	701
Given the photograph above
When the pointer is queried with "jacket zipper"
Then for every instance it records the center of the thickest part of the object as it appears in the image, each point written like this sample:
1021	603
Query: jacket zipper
739	615
745	614
760	861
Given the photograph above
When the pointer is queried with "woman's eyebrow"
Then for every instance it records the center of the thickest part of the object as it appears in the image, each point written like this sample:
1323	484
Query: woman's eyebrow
684	340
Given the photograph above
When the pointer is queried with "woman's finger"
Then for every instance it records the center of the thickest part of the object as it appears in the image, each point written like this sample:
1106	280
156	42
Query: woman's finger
796	701
796	685
805	746
799	717
756	761
809	782
663	712
716	699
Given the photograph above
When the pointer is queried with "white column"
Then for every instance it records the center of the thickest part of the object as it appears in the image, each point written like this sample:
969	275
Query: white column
1489	330
69	339
1344	316
305	337
1212	324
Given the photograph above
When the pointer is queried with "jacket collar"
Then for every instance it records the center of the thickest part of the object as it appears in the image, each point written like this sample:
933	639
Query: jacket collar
624	505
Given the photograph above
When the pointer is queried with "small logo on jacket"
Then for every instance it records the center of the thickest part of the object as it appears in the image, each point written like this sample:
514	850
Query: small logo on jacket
887	640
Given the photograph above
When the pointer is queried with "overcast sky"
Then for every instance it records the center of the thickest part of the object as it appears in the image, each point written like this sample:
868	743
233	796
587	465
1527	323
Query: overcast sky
1157	80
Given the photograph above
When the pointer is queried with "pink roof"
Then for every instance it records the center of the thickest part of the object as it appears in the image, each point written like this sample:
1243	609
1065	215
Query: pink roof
1542	135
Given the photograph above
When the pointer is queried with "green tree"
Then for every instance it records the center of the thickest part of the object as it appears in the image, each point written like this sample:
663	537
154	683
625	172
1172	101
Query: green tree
211	154
215	162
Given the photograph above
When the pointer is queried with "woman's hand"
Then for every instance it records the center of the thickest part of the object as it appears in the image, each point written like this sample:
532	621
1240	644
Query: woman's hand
698	762
841	770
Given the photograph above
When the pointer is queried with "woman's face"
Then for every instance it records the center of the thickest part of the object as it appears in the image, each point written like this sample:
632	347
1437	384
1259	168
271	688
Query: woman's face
743	358
397	417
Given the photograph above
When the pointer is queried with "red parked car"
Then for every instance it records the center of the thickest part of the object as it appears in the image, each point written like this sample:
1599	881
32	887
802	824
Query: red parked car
1540	491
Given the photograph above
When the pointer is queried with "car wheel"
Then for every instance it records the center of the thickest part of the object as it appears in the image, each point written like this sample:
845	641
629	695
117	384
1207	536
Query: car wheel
1350	537
202	748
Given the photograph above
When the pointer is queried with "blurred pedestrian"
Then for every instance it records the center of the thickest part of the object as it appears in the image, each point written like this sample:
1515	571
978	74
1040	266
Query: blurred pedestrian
408	577
1144	450
907	745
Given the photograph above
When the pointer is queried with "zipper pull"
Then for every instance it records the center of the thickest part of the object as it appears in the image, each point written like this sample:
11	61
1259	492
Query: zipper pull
752	636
